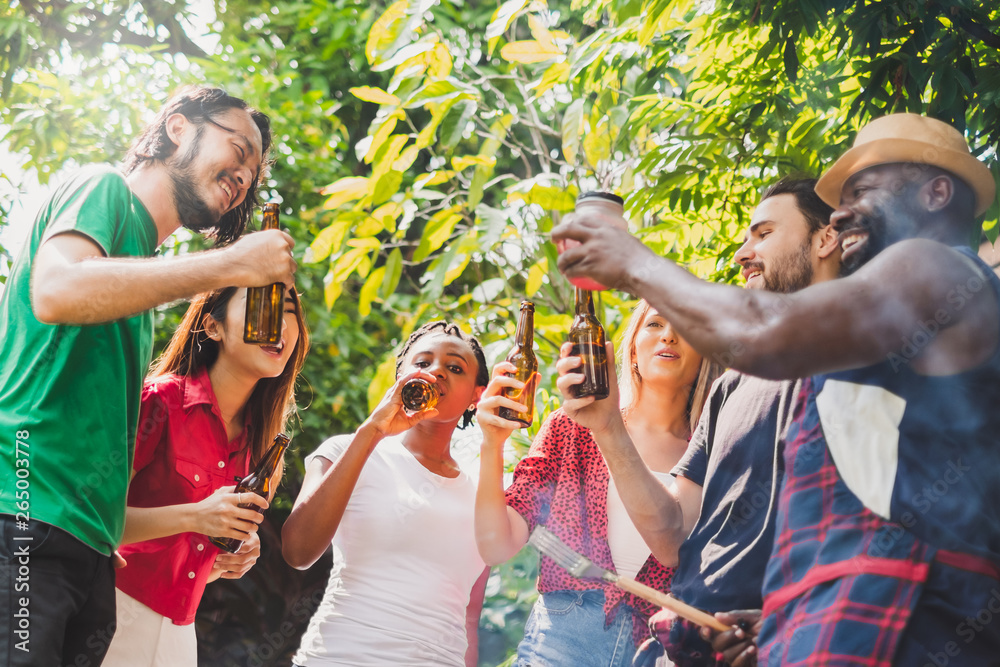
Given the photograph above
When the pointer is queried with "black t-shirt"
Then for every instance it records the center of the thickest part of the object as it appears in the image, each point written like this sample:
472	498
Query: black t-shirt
735	455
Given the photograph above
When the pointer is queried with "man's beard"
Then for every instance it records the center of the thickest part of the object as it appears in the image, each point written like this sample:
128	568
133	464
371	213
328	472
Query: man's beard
790	274
193	211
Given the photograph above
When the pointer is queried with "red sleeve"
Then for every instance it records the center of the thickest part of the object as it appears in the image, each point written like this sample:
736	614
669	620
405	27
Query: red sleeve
154	414
535	476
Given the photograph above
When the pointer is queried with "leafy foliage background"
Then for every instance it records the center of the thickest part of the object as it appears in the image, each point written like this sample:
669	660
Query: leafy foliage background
424	148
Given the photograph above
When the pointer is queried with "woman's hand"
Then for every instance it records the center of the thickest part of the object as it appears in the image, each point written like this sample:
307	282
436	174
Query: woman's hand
598	416
390	417
495	429
220	515
234	566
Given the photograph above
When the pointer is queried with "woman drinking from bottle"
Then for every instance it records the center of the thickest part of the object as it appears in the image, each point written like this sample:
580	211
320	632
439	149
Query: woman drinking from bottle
407	581
209	410
564	484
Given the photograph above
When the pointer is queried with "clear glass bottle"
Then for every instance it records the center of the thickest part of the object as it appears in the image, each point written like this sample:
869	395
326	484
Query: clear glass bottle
613	207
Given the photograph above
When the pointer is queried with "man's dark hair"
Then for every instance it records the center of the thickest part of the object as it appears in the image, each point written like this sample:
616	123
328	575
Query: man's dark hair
816	211
201	104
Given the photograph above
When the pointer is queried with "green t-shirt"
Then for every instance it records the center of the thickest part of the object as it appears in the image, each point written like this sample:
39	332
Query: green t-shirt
69	395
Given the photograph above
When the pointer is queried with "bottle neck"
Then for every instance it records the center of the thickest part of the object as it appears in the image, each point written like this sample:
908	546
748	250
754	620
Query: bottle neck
584	302
270	460
270	220
525	334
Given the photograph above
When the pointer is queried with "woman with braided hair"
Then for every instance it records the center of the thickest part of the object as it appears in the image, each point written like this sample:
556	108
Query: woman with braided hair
407	581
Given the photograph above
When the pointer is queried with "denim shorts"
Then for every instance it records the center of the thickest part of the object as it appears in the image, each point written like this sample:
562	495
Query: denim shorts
566	628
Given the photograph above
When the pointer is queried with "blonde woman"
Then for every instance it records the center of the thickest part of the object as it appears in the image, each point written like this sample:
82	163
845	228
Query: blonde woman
564	484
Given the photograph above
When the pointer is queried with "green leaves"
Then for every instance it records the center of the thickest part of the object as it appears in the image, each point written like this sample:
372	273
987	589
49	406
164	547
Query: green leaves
437	231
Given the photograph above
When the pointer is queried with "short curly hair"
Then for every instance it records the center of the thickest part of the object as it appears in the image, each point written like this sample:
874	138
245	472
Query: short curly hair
450	329
200	105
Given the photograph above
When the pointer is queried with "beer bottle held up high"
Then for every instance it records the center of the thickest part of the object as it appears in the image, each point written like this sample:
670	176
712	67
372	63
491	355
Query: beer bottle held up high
523	358
260	481
588	339
265	305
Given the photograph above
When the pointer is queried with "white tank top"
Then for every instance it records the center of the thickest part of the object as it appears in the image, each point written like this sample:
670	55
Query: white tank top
628	550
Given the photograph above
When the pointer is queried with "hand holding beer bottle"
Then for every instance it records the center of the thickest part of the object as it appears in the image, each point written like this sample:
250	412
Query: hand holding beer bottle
260	481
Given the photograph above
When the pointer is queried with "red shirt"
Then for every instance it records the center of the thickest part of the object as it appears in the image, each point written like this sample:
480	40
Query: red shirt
563	484
182	456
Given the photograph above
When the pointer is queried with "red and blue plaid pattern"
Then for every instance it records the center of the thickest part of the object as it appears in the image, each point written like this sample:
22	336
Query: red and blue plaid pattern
842	582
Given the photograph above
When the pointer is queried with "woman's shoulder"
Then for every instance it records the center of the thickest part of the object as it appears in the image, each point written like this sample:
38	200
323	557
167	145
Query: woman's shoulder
168	387
331	448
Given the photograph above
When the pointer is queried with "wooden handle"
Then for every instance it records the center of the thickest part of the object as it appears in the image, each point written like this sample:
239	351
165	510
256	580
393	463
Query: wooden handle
685	611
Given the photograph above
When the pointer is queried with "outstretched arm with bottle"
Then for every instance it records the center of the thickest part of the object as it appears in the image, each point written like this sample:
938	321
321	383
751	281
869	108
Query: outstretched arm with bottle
500	530
664	516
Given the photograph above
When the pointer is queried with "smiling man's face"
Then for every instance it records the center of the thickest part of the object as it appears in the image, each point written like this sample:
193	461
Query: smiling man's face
215	165
877	208
776	254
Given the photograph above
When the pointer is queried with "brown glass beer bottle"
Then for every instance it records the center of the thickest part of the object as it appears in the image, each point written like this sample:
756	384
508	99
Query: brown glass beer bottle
260	482
265	305
587	336
523	358
418	394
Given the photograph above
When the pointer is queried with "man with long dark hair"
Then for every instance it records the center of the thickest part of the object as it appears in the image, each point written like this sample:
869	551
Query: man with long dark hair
75	343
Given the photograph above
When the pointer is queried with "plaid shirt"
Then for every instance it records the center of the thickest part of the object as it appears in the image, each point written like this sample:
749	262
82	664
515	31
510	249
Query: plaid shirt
889	515
842	582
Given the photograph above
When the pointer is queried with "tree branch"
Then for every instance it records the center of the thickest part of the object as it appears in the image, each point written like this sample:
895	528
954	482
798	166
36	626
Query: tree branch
979	31
100	28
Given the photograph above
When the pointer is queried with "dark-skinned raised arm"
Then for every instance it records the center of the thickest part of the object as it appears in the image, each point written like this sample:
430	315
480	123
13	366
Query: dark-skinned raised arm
847	323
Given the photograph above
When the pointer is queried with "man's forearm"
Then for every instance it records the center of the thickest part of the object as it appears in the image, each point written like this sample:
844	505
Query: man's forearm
745	329
722	322
95	290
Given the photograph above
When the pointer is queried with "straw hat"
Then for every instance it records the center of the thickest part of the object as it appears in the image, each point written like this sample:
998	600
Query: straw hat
909	137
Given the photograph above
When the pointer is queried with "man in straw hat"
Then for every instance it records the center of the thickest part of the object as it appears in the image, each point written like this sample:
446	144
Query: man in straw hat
888	533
